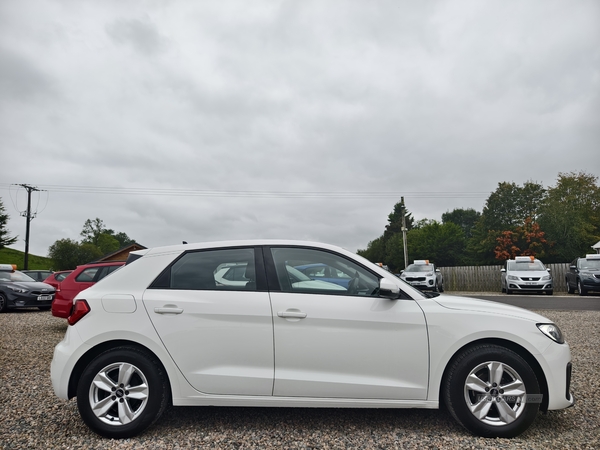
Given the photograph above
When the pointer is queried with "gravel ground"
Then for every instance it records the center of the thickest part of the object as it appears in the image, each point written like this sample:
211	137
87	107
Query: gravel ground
32	417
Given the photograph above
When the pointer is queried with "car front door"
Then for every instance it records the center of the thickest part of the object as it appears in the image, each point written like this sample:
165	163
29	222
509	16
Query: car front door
335	342
220	336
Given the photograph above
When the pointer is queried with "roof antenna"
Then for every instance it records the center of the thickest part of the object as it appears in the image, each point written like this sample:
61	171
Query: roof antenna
183	242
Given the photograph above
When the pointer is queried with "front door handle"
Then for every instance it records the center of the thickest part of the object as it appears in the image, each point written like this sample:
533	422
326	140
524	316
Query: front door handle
292	314
168	310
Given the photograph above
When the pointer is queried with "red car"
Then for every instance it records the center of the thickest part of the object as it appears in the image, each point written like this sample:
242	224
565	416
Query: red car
55	279
81	278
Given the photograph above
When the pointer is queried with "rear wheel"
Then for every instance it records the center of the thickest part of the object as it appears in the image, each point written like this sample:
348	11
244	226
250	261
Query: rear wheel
122	392
489	390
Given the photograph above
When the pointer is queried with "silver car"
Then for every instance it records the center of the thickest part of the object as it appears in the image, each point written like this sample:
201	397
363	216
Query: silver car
526	274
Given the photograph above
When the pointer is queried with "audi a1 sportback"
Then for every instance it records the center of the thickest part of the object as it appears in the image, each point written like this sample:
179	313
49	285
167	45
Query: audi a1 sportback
163	329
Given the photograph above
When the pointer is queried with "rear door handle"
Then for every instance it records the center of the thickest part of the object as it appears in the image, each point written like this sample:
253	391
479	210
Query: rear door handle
168	310
292	314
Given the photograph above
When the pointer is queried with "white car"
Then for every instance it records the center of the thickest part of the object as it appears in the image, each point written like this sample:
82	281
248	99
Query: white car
162	330
423	275
526	274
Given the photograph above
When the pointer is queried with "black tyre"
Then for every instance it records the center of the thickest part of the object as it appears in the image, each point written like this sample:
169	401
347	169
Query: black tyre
550	292
3	303
491	391
570	290
580	288
508	291
122	392
442	287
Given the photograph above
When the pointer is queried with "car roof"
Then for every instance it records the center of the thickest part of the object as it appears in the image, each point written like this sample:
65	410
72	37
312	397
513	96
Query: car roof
237	243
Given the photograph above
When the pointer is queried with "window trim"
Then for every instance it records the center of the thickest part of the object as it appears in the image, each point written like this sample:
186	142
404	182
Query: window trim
163	280
273	278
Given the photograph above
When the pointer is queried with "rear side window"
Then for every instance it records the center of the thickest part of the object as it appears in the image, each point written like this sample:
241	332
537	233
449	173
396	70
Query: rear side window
228	269
87	275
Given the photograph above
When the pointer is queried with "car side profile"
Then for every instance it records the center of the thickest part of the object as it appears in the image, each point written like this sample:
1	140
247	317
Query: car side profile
79	279
162	330
584	275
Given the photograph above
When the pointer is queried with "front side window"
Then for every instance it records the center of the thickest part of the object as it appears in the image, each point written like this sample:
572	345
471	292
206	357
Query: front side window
317	271
230	269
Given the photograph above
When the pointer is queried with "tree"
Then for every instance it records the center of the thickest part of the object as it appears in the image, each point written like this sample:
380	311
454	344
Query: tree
443	244
68	254
92	233
570	215
5	239
464	218
509	205
526	240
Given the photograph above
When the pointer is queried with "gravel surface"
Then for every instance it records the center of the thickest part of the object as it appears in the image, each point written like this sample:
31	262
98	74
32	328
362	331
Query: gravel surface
31	416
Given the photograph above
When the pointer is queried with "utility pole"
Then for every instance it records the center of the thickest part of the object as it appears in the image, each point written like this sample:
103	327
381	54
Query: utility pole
29	218
404	243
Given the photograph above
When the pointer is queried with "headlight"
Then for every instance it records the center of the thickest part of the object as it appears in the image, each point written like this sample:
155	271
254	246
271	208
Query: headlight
552	331
429	274
20	290
512	277
546	278
586	275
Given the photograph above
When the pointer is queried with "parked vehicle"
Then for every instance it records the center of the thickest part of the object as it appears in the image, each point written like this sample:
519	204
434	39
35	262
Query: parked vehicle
584	275
79	279
423	275
526	274
38	275
56	277
162	330
18	290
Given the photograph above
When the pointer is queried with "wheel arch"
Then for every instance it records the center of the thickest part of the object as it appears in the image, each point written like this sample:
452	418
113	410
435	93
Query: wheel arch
518	349
87	357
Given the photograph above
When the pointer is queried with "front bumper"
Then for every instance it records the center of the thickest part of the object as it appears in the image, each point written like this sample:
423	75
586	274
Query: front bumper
530	286
28	299
591	283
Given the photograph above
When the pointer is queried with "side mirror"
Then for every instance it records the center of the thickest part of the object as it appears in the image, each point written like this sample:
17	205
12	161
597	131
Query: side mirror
438	270
573	267
502	270
388	289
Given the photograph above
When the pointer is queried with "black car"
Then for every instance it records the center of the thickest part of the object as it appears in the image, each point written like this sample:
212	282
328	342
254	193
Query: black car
38	275
584	275
18	290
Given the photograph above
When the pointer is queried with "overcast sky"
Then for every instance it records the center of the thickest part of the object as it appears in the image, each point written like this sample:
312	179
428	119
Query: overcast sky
212	120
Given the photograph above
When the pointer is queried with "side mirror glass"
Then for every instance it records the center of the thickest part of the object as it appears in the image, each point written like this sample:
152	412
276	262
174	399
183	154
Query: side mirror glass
502	270
388	289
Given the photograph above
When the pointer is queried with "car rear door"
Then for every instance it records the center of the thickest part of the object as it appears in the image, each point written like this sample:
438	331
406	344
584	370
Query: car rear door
220	336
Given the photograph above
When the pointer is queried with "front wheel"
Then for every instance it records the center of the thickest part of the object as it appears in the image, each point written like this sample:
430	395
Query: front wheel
3	303
570	290
122	392
491	391
580	288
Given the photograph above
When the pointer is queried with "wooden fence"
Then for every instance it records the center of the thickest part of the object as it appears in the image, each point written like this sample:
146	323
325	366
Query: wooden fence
487	278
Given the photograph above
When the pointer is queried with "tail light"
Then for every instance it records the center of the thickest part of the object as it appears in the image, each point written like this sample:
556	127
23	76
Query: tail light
80	309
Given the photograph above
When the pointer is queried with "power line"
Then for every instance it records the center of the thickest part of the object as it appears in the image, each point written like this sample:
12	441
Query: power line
257	194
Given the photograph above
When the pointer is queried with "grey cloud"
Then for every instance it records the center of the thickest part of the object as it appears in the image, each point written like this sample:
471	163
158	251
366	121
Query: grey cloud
142	35
20	79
